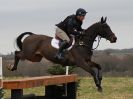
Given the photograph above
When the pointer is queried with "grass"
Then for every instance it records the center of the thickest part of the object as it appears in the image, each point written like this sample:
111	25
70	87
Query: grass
113	88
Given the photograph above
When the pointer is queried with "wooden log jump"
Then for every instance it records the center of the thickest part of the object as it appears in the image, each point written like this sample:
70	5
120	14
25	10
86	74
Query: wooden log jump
55	86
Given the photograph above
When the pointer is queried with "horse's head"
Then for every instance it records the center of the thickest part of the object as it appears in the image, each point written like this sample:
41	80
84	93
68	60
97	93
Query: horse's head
105	31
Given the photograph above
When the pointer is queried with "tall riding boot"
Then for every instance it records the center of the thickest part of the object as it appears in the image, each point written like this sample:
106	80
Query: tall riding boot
60	53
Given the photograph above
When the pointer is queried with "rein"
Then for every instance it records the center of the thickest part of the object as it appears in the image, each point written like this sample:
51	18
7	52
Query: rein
99	39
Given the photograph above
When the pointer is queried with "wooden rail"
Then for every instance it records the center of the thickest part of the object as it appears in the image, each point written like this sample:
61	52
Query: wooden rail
52	86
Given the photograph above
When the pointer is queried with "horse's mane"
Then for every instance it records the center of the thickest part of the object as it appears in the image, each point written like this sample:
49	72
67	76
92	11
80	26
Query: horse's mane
95	24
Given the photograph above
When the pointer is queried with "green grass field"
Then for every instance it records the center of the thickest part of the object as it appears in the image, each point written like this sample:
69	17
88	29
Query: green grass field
114	88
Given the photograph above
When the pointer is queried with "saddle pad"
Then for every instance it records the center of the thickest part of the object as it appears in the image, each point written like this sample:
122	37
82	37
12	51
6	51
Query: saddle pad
55	43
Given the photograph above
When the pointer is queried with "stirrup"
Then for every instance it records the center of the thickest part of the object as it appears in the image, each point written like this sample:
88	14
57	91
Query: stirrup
59	56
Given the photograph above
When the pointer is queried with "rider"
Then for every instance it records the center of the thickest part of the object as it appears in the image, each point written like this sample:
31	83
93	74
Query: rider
70	26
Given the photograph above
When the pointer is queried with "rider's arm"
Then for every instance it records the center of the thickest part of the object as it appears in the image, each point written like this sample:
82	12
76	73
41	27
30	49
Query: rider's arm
80	28
82	31
71	29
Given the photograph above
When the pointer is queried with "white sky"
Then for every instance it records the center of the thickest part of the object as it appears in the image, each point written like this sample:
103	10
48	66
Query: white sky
40	16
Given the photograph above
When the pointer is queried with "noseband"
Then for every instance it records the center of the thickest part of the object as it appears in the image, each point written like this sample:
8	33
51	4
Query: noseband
110	36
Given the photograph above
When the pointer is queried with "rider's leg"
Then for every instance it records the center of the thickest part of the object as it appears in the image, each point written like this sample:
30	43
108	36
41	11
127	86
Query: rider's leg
65	40
60	53
62	35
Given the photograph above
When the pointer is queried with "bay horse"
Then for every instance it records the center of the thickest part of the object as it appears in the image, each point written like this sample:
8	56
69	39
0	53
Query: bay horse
35	47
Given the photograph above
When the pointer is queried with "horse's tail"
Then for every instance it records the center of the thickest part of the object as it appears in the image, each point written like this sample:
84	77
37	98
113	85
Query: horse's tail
19	38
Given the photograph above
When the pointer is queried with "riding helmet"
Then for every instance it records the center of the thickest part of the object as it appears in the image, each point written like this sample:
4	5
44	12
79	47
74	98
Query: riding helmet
81	12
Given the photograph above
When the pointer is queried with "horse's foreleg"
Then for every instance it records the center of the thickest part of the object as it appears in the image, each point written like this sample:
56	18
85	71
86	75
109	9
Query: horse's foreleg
91	68
96	72
99	71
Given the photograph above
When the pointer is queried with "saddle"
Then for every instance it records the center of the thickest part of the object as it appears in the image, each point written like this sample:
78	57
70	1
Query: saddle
55	42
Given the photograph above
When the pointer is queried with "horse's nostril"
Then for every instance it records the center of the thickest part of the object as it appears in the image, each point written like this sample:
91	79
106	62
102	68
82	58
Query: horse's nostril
115	38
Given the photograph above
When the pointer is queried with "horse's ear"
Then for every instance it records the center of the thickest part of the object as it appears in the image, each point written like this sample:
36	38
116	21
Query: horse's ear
102	20
105	19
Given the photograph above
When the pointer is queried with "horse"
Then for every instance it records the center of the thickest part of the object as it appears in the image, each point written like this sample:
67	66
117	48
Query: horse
35	47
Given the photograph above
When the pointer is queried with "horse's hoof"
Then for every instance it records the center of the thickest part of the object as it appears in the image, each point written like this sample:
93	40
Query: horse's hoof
100	89
11	68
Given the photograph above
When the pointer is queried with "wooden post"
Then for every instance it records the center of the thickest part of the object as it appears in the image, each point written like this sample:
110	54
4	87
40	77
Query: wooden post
1	75
50	91
54	92
17	94
72	90
1	80
67	72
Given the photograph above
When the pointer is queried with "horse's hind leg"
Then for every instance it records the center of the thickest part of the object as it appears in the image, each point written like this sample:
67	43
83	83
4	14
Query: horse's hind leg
35	58
18	56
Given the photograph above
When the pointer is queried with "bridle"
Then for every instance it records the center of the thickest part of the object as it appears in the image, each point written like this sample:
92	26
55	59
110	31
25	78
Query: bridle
81	43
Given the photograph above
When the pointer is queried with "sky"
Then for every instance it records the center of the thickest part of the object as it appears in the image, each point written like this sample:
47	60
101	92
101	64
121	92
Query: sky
40	17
